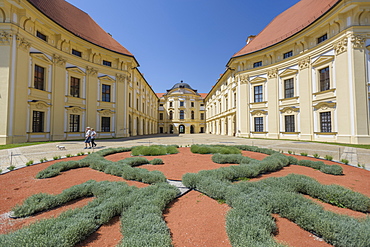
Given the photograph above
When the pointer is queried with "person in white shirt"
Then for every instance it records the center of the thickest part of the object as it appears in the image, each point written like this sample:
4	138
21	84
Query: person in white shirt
93	136
87	138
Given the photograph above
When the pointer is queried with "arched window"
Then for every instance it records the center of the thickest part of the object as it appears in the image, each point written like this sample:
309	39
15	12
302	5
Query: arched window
182	114
171	115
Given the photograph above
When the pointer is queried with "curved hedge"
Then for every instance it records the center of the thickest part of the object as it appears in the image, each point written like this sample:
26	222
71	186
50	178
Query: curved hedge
154	150
249	222
140	211
123	168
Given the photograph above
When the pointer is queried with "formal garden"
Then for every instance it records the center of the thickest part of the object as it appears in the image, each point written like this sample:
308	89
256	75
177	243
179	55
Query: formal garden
239	196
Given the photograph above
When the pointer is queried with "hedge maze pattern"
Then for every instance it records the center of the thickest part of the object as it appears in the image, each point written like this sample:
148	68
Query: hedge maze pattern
248	223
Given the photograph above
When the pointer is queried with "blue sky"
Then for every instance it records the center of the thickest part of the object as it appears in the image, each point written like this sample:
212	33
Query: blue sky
189	40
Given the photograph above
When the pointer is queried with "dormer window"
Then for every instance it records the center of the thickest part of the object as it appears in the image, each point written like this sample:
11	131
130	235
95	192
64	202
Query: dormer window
42	36
107	63
288	54
76	53
322	38
257	64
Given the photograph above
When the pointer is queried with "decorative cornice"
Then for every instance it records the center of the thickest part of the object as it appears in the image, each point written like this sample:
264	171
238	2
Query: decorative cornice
325	105
91	71
341	46
59	60
23	43
5	38
273	73
289	110
105	112
258	113
39	104
304	63
75	109
358	41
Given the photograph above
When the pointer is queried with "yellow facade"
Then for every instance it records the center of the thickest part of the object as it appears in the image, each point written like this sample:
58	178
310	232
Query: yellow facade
181	110
53	83
314	85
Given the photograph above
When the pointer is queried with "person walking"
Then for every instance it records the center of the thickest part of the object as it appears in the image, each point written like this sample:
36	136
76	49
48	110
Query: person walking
93	136
87	138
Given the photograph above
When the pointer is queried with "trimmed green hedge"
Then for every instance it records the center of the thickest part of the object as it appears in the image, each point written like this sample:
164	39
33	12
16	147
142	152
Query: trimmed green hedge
214	149
250	223
141	211
123	168
154	150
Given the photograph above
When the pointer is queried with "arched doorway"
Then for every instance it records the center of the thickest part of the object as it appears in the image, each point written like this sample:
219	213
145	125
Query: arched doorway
181	129
171	129
191	129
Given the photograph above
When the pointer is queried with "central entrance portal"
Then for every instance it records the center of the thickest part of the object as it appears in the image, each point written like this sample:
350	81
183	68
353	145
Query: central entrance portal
181	129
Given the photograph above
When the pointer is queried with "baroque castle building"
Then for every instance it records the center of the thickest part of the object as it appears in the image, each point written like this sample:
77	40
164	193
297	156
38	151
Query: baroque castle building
305	76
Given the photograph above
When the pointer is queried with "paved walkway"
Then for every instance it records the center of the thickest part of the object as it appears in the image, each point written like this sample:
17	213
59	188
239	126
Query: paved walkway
19	156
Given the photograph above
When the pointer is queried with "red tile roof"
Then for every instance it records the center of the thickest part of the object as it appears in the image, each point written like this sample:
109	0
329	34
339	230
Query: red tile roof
159	95
79	23
203	95
288	23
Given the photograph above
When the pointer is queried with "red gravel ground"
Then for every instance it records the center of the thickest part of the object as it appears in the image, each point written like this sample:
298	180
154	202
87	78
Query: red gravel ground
194	219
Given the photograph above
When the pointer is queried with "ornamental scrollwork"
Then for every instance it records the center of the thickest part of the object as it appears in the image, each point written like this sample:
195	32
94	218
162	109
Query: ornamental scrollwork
244	79
341	46
23	43
5	38
304	63
91	71
59	60
273	73
358	41
120	77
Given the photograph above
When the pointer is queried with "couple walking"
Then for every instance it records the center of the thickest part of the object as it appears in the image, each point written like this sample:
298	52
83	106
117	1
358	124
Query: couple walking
90	135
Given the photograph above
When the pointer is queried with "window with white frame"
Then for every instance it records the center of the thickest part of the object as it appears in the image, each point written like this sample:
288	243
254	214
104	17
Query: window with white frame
74	123
324	79
105	124
258	93
289	88
38	121
258	124
325	122
289	123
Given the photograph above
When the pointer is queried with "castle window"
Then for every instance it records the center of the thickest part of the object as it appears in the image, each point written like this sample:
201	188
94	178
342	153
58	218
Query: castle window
42	36
257	64
182	114
258	124
76	53
75	87
105	124
324	79
39	78
288	54
325	121
322	38
106	93
289	88
74	123
107	63
289	123
258	94
38	121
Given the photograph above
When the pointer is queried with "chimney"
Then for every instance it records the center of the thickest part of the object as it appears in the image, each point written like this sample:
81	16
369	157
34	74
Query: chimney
250	38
